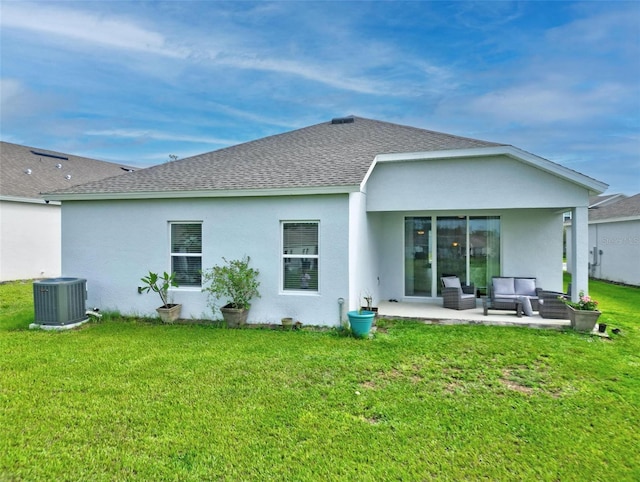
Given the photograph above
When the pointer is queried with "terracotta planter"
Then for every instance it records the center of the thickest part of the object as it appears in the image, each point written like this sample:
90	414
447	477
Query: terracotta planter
234	317
170	314
583	320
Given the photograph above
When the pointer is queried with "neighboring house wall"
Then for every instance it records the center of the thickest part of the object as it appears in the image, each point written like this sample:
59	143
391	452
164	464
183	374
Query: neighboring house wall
30	229
614	251
30	240
132	237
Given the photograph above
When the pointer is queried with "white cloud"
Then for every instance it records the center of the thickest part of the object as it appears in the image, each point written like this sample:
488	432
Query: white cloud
19	104
372	68
159	136
543	104
9	90
76	25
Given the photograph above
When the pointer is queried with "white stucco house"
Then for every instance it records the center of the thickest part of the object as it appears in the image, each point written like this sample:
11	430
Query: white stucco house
333	211
30	237
614	239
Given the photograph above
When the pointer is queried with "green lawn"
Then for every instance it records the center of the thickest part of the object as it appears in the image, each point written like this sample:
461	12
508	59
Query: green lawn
134	400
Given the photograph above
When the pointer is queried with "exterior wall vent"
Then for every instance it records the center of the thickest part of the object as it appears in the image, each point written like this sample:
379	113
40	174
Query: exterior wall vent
343	120
59	301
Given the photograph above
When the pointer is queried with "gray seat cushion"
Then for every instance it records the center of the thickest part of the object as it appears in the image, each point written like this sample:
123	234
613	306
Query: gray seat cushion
502	296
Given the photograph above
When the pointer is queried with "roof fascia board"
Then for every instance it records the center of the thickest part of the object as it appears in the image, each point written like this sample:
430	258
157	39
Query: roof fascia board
227	193
595	186
29	200
615	220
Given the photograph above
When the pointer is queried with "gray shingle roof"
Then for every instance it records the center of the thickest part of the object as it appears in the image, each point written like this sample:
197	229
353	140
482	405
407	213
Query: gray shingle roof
322	155
627	207
24	174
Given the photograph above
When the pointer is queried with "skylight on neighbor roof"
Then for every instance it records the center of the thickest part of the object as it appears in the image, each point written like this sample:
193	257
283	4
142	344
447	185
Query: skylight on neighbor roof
49	155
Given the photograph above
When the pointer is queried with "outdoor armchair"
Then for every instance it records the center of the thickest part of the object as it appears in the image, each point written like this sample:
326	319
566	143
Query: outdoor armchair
453	297
552	305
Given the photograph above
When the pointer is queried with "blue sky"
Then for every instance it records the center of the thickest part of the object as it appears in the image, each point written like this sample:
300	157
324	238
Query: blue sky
134	82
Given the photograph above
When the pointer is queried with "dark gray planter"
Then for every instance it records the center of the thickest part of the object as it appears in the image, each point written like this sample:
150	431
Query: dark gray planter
234	317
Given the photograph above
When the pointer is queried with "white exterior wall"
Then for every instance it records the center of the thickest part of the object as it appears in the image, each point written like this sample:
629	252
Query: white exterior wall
461	184
363	262
114	243
620	245
29	240
532	246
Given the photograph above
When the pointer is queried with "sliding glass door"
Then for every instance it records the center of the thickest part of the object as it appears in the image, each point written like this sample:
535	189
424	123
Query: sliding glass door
484	250
452	248
463	246
417	256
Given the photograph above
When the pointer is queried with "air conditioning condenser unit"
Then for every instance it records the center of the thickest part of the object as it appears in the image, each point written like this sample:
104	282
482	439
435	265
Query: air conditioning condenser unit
59	301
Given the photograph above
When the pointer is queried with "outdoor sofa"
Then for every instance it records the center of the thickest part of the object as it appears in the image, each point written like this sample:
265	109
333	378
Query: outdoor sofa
507	291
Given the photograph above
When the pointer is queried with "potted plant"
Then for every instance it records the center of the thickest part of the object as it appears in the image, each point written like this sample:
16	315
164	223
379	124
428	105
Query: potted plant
584	313
235	282
360	322
368	302
169	312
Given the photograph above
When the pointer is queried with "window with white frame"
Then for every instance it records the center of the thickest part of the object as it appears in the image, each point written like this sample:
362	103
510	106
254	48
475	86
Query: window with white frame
300	256
186	252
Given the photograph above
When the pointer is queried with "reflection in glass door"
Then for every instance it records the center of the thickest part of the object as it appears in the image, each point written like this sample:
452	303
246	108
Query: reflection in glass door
452	248
417	256
464	246
484	250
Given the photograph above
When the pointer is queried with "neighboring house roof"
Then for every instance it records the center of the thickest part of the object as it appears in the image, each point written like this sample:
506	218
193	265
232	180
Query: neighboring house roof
332	156
26	172
604	199
625	209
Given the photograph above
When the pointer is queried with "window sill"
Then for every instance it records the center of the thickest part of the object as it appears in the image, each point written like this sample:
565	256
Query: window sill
300	292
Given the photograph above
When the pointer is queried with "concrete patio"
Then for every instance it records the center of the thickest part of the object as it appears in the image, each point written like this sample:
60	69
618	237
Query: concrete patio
434	313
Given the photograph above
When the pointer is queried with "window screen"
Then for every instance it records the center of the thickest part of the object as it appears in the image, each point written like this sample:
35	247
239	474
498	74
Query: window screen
186	253
300	256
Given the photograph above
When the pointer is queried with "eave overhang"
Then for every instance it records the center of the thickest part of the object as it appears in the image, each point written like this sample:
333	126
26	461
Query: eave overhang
28	200
221	193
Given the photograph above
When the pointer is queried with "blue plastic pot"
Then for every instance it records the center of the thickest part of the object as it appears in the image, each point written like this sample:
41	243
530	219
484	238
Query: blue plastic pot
360	322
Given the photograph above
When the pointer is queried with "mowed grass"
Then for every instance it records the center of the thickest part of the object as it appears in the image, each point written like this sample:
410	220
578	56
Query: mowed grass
127	399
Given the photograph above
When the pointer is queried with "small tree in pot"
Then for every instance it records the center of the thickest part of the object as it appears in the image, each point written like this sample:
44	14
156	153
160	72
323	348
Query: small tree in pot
160	284
234	282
